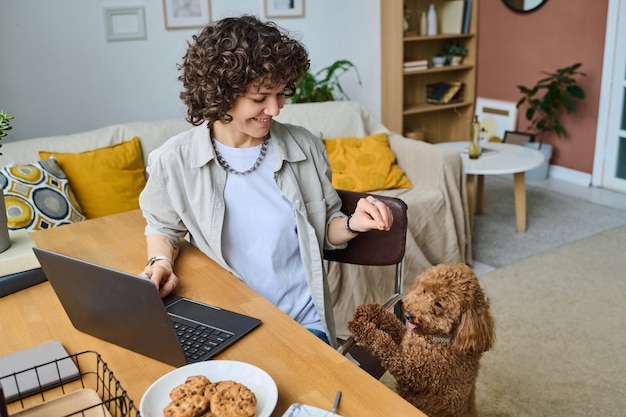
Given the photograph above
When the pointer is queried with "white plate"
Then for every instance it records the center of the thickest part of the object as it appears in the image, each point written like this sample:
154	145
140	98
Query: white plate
158	394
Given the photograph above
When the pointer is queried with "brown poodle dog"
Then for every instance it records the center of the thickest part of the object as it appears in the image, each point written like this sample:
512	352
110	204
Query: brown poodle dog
434	357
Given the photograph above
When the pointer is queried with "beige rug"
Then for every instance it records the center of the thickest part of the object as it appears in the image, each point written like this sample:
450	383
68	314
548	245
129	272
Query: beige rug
561	336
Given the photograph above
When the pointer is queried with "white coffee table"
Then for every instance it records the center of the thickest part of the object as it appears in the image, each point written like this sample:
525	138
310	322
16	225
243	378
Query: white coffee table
497	159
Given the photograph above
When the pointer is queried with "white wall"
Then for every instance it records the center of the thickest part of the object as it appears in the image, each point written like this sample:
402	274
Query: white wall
59	75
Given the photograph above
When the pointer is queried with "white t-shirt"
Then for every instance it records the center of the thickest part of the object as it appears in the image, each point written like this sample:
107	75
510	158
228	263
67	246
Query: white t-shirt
259	238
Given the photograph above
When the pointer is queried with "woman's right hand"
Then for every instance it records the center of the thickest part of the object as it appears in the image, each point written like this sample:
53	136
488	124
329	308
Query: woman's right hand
162	275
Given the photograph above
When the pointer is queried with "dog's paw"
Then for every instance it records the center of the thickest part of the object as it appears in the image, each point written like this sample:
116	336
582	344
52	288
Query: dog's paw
370	312
360	329
366	319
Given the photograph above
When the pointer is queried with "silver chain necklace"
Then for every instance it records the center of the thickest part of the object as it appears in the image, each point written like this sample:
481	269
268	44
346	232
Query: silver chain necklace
228	168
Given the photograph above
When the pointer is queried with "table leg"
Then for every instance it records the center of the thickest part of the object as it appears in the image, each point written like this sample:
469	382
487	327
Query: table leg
519	180
470	181
480	192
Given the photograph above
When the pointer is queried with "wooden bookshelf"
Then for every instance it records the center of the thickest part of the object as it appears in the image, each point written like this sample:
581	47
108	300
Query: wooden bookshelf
404	107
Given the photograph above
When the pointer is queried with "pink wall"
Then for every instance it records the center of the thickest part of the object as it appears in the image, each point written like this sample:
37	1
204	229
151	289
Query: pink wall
515	48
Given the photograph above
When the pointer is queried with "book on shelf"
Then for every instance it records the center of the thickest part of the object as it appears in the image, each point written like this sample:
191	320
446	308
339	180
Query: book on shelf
415	62
452	16
444	92
417	68
467	16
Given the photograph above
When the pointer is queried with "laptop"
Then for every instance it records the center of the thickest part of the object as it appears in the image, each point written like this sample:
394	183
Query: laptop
126	310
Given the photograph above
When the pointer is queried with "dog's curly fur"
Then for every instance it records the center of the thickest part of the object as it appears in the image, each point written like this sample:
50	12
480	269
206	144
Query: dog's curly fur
435	356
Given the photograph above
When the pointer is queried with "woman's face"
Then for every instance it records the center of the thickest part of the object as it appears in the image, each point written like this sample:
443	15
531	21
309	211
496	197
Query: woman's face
252	113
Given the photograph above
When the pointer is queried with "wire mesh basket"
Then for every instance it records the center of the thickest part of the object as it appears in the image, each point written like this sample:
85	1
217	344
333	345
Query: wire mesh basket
92	392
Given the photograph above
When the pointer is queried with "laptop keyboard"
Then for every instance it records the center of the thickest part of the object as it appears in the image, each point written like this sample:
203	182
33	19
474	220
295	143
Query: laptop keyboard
198	340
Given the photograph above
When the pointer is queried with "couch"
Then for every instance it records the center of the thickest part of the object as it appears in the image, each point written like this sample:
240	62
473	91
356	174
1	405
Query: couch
438	230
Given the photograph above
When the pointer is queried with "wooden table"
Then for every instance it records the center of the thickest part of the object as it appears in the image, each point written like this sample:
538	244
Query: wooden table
305	369
497	159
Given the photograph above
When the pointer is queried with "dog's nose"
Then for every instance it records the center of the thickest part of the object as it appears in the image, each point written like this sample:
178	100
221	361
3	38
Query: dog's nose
408	316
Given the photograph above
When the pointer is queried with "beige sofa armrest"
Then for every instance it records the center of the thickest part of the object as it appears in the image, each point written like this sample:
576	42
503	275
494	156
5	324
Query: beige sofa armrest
429	166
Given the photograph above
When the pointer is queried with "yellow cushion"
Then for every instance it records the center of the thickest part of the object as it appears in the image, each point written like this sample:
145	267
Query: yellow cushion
105	180
364	164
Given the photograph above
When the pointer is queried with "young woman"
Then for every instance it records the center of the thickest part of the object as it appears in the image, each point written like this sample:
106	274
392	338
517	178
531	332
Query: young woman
253	194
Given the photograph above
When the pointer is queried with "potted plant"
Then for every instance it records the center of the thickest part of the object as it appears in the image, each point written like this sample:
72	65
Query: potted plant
455	51
439	60
546	103
5	125
5	240
324	85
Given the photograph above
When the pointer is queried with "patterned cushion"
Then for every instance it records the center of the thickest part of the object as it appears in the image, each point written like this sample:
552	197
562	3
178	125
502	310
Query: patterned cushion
38	196
364	164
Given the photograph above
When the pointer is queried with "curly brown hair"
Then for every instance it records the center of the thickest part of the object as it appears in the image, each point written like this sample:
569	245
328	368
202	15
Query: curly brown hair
230	55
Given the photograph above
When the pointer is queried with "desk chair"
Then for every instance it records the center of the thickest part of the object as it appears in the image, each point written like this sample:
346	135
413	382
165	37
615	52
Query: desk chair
377	248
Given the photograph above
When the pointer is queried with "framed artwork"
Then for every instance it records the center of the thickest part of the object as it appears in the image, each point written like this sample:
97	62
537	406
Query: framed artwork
184	14
124	23
495	117
283	8
518	138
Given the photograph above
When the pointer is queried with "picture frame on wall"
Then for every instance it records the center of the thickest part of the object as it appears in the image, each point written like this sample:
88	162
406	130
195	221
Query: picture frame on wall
283	8
495	118
185	14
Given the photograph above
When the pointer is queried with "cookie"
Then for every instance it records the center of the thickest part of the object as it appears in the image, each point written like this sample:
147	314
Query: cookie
190	406
233	400
193	385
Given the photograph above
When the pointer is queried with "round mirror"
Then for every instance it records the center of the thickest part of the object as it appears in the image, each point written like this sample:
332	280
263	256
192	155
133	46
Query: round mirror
524	6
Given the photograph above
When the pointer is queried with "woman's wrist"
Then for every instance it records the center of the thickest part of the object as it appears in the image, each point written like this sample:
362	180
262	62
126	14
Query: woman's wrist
348	228
158	258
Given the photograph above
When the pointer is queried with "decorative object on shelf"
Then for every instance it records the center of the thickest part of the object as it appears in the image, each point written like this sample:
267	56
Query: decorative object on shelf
439	60
423	24
186	14
455	51
560	89
407	15
445	92
5	240
324	85
283	8
474	145
418	134
432	20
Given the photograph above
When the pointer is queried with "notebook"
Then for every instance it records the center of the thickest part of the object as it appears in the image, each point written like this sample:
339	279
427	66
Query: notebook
126	310
35	369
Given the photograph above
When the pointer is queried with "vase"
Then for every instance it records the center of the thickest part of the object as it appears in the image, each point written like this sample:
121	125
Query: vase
423	24
432	20
456	60
439	61
474	145
5	239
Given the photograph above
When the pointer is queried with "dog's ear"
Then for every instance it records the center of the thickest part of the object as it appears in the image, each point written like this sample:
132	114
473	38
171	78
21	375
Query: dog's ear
476	331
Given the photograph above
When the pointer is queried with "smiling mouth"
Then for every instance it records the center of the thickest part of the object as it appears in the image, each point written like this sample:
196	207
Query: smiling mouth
263	121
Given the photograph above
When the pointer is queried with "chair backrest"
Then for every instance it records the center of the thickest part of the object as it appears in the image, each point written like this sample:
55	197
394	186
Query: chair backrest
374	247
377	248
